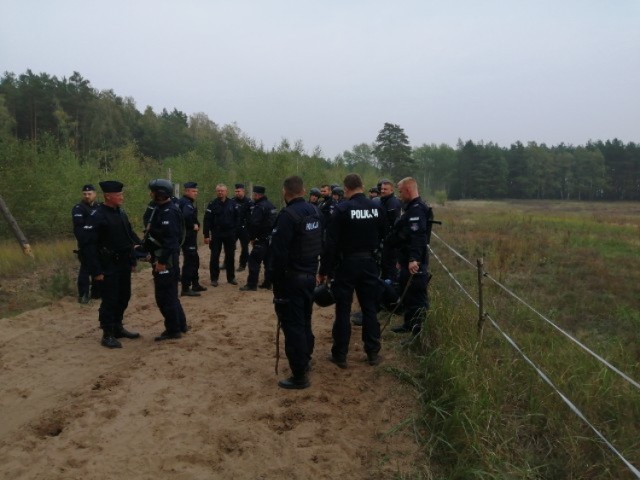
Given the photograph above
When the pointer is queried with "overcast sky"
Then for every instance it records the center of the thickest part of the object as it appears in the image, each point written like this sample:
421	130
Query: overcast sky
331	72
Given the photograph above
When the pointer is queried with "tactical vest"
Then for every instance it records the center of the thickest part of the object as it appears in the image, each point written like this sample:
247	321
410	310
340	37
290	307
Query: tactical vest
308	234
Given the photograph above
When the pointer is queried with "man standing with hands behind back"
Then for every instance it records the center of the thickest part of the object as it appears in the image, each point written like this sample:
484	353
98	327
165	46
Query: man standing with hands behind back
109	244
221	222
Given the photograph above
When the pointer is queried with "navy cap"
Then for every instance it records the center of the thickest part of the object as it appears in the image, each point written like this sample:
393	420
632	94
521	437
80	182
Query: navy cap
258	189
111	186
88	188
239	185
190	185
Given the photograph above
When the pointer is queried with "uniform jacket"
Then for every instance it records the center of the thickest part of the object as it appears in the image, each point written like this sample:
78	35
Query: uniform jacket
356	227
221	219
410	234
262	220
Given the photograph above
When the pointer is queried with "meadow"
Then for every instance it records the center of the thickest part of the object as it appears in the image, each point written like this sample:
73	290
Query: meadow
485	411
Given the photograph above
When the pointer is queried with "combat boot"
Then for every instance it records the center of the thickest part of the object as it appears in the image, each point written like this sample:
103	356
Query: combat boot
109	340
188	292
121	332
295	382
199	288
84	299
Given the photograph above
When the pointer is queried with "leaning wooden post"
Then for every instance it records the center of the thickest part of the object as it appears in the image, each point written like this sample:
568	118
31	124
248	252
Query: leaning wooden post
24	243
480	263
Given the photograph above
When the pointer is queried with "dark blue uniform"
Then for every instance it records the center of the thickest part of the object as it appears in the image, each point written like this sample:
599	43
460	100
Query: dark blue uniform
79	215
108	243
221	221
261	224
353	234
392	209
166	230
191	263
411	236
245	206
295	247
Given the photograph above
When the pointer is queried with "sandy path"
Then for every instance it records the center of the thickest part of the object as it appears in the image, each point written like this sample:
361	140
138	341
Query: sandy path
205	406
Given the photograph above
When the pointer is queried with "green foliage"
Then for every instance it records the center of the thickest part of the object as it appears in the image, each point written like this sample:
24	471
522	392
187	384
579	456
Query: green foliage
393	152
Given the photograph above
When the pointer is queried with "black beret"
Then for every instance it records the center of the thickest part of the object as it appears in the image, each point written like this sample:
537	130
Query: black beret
111	186
88	188
258	189
190	185
239	185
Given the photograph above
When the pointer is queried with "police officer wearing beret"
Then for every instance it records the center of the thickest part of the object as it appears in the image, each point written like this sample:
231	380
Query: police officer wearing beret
411	235
353	235
392	208
164	235
245	206
220	225
109	242
190	278
263	217
79	213
295	246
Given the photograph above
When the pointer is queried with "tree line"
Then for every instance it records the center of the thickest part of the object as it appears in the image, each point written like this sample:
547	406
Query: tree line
59	133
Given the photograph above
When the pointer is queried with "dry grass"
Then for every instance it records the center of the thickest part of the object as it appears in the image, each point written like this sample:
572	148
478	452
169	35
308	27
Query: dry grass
490	414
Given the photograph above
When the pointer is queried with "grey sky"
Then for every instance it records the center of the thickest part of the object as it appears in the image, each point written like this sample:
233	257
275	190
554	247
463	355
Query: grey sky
331	73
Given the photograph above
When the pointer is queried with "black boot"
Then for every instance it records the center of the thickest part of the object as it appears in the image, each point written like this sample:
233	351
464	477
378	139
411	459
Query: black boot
84	298
121	332
109	340
295	382
188	292
199	288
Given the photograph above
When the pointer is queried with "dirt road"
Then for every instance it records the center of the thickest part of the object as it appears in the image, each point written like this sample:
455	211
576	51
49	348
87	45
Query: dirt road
206	406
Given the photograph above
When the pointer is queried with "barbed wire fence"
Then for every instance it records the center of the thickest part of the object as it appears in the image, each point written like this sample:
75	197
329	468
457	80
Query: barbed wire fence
484	316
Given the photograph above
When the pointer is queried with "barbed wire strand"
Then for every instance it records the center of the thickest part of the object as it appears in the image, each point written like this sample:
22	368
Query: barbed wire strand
542	375
605	362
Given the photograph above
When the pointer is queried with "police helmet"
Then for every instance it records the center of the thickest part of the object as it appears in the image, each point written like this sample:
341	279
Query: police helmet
338	191
315	191
323	296
161	186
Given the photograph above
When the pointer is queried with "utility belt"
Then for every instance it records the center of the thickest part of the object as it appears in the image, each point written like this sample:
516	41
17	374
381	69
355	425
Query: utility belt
357	255
110	256
297	275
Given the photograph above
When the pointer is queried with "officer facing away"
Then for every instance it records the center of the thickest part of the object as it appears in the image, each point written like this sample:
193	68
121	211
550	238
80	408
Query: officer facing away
164	235
295	246
261	223
411	235
353	235
190	278
79	215
109	242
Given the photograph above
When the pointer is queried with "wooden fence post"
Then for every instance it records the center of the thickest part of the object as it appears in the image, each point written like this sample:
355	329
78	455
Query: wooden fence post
24	243
480	264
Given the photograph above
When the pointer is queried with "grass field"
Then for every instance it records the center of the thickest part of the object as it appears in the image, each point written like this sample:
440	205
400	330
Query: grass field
486	412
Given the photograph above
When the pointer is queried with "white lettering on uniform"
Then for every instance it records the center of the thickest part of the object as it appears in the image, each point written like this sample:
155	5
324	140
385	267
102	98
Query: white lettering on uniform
311	226
165	222
414	219
360	214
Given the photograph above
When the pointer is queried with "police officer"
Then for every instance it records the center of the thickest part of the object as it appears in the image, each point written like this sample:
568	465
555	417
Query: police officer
411	236
326	204
295	246
392	208
163	238
374	193
353	235
221	222
109	242
261	223
314	196
79	213
190	279
245	206
337	193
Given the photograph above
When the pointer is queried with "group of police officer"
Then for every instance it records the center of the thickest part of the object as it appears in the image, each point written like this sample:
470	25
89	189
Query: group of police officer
333	239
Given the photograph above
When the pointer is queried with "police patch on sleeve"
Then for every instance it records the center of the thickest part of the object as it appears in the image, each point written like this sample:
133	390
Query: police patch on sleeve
414	227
